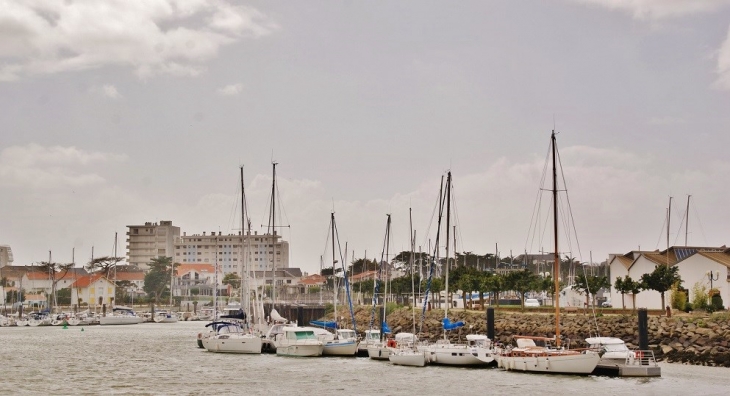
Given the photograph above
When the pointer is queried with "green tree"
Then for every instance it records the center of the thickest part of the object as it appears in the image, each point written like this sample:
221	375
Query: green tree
521	282
157	279
494	284
546	285
468	283
232	279
121	289
589	285
105	265
628	286
64	296
55	272
662	279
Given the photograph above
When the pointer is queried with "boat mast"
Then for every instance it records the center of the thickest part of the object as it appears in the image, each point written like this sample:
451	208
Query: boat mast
556	257
448	222
385	272
243	267
272	232
413	269
334	279
686	224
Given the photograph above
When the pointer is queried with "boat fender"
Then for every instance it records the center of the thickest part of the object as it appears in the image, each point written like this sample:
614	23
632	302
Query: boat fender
639	355
200	335
391	343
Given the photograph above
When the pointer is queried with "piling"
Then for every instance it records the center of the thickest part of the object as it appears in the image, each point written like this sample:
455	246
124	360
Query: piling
643	329
490	323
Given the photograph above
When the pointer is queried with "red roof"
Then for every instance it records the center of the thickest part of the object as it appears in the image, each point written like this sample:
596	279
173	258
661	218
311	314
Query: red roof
38	275
315	279
183	269
364	275
87	280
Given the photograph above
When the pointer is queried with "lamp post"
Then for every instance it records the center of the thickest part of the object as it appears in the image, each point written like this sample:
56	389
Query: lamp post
712	276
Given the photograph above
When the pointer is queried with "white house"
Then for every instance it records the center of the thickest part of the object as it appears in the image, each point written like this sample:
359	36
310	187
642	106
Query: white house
694	264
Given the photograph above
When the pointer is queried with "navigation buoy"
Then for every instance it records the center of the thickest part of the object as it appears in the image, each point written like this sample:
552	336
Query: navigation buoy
82	329
65	327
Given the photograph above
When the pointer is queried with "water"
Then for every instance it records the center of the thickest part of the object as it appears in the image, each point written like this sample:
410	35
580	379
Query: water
163	359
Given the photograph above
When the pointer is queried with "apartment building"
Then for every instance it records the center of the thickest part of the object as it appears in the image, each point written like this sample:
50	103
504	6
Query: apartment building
263	251
151	240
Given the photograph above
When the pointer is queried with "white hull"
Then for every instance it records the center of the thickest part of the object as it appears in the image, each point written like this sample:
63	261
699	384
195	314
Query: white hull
558	363
340	348
458	355
301	350
119	320
167	319
408	358
378	352
233	343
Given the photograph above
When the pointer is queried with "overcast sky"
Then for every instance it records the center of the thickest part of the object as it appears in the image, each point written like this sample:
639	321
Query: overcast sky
121	112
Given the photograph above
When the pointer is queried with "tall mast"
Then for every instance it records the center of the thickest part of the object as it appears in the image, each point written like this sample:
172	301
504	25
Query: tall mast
243	267
272	232
556	257
669	219
384	262
448	226
334	279
686	225
413	269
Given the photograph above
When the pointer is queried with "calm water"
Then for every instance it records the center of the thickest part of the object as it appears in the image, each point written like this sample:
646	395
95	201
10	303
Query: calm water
158	359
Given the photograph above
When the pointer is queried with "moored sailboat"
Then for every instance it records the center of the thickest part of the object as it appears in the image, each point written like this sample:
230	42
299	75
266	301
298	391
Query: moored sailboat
529	357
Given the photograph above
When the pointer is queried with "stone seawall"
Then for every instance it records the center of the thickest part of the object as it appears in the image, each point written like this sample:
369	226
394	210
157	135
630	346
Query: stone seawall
692	339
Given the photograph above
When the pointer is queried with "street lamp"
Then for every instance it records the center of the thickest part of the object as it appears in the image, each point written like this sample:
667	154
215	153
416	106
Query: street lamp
712	276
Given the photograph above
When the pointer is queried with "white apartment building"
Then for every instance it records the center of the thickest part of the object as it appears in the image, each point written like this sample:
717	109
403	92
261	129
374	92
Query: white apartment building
151	240
6	256
264	251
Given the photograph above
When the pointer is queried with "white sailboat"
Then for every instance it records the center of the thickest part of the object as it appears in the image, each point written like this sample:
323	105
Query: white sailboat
445	352
380	349
529	357
339	342
406	352
236	336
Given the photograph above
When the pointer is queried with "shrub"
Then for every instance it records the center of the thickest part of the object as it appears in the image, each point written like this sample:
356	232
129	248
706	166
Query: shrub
688	307
716	302
678	298
699	296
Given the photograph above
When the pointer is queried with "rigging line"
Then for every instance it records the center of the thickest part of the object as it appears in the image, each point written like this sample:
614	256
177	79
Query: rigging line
430	222
570	207
699	221
681	226
661	233
326	240
537	207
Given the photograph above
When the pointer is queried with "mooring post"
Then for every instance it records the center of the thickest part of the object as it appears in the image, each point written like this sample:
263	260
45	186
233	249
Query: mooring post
300	315
490	323
643	331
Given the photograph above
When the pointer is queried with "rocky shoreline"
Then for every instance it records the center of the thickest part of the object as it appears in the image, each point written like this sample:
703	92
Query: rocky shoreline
698	339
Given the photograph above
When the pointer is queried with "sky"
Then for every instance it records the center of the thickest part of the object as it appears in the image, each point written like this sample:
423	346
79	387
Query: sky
119	112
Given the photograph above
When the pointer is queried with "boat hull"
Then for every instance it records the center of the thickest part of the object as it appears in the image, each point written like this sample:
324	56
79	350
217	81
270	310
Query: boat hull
340	348
408	358
458	355
306	350
378	352
233	343
570	363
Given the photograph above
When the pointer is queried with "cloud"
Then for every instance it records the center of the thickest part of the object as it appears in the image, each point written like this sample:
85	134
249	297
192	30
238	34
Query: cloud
152	37
659	9
48	167
106	90
230	90
723	64
667	120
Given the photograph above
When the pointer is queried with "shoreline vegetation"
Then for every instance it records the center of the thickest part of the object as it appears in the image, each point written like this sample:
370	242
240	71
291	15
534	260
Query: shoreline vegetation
697	338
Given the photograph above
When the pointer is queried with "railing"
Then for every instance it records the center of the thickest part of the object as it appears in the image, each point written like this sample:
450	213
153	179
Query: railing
641	357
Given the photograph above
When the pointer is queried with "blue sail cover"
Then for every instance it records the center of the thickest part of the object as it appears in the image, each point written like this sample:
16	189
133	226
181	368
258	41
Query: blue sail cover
385	328
451	326
331	324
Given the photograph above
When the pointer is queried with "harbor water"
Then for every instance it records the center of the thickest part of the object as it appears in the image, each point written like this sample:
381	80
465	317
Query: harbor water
163	359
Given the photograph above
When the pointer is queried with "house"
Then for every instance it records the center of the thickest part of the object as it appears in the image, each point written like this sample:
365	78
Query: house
367	275
196	279
314	280
694	266
93	289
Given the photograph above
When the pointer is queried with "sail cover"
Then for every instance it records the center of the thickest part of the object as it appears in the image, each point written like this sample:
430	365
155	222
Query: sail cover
276	317
448	325
331	324
385	328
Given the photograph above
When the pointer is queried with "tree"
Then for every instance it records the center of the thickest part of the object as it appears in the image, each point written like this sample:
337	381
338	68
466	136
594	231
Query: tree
662	279
157	279
545	284
233	280
589	285
494	284
55	272
628	286
121	289
619	286
521	282
105	265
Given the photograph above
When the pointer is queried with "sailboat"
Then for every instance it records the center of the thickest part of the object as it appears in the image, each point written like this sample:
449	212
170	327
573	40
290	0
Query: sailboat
406	352
340	342
120	315
529	357
379	349
444	351
237	336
